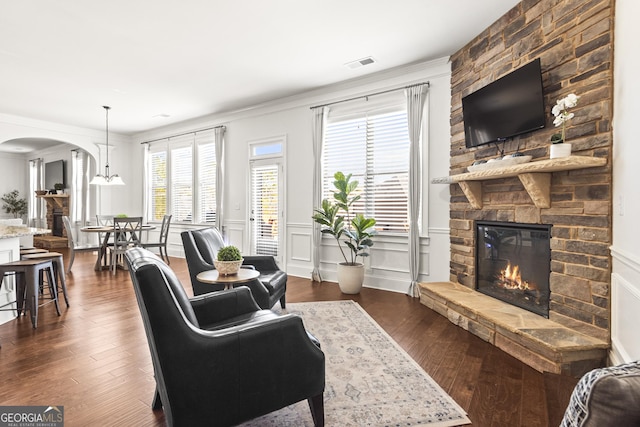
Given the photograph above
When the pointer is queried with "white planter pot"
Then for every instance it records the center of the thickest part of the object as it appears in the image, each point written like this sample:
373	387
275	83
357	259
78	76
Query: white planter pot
560	150
227	268
350	278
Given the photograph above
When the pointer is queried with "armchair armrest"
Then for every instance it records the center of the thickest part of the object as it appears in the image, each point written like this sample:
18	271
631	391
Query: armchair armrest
216	307
261	262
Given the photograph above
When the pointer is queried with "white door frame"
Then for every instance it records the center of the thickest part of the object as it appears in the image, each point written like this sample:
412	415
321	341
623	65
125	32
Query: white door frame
275	158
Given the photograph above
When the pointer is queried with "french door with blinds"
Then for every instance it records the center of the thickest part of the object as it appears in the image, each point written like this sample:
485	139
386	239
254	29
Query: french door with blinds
266	206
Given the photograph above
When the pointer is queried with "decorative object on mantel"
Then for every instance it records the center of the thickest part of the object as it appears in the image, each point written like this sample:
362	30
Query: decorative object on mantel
559	147
41	192
508	160
59	187
107	179
13	204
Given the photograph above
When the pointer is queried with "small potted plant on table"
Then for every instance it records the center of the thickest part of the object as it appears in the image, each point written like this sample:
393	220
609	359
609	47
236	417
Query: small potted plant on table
59	187
228	260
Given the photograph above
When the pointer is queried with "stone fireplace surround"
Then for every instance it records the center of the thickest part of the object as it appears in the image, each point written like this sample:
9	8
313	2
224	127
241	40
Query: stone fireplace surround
57	206
574	41
557	345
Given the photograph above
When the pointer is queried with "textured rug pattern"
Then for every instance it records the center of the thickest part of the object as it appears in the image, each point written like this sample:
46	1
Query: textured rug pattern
370	380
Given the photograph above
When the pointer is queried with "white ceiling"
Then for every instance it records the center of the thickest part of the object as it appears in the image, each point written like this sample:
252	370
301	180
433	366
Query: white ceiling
62	60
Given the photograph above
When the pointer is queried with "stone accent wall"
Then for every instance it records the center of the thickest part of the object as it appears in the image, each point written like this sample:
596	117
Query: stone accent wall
54	202
574	40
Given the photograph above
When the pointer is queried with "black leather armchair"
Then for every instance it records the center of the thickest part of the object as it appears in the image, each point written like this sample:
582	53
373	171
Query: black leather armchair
201	248
219	359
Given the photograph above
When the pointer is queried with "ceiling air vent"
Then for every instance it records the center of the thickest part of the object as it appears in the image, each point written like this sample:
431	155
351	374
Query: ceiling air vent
360	63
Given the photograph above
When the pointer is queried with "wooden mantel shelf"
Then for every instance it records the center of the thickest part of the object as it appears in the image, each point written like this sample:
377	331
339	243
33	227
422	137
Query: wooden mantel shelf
56	199
535	176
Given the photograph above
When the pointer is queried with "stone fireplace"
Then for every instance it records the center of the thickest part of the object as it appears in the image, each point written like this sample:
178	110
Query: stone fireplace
574	41
57	206
514	263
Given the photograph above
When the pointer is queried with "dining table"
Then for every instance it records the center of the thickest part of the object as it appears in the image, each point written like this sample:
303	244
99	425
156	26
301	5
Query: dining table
106	231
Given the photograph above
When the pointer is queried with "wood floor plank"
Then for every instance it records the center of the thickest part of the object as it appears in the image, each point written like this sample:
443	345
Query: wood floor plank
534	409
94	358
465	382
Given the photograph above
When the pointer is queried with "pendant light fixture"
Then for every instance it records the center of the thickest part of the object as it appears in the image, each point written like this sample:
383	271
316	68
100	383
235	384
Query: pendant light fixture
107	179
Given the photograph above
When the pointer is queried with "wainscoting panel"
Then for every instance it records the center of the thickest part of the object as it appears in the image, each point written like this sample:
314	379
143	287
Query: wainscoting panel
625	308
299	249
386	268
300	246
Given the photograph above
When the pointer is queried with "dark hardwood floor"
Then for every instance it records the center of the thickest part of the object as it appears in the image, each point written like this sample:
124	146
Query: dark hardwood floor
94	359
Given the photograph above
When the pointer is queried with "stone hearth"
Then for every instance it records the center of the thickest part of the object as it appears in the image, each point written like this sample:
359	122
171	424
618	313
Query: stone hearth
543	344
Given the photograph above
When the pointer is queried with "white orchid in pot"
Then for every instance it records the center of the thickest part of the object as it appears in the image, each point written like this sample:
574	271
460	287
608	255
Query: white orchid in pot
562	115
353	230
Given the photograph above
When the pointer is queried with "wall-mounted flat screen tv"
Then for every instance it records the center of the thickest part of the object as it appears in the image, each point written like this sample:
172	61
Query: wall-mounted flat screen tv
509	106
54	173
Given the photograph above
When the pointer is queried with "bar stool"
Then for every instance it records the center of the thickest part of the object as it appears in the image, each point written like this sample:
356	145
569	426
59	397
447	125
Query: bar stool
28	275
58	268
28	251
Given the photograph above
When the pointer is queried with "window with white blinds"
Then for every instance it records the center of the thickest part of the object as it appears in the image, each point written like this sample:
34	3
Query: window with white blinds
265	208
182	183
374	147
182	178
207	182
77	185
157	185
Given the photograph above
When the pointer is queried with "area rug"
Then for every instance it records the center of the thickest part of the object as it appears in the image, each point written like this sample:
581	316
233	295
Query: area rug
370	380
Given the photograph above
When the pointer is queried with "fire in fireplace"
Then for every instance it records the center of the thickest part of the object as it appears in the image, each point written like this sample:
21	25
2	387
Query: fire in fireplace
513	263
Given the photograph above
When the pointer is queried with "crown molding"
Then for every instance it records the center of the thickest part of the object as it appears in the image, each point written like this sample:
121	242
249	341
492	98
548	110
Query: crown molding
359	86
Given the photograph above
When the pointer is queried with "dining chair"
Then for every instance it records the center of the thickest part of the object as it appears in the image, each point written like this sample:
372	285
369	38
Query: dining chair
73	244
105	221
161	244
126	234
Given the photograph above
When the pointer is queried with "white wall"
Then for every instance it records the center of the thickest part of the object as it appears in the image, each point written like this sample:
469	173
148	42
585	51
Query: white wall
15	177
388	263
123	158
291	118
625	280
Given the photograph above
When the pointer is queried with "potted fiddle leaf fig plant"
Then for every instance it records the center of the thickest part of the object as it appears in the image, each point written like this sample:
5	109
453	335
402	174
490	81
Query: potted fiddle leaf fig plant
353	230
228	260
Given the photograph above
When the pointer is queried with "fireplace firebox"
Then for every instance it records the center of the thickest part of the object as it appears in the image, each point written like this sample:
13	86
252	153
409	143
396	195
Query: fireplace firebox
513	263
57	227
